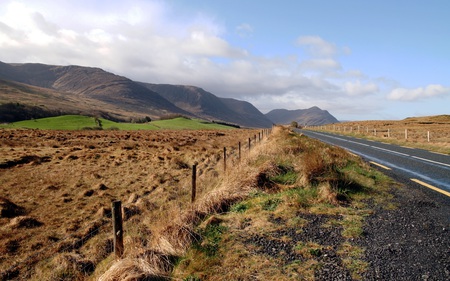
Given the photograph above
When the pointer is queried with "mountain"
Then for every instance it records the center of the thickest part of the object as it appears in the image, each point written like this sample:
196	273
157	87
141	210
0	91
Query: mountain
208	106
33	90
310	116
93	86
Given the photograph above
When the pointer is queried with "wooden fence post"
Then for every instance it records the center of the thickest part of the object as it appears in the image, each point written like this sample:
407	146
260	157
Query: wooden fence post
194	182
249	144
428	136
239	148
406	134
117	228
224	159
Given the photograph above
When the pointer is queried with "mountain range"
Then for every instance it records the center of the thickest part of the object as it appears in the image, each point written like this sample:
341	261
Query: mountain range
34	90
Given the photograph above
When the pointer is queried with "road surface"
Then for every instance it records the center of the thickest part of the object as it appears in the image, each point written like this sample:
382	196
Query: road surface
431	170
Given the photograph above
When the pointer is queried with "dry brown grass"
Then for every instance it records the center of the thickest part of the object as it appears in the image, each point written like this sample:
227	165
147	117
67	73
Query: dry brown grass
66	180
174	237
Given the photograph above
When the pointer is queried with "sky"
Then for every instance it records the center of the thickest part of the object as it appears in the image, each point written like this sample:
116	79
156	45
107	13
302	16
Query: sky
360	60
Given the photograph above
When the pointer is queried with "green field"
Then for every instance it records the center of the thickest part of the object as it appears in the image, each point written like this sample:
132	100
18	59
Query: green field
77	122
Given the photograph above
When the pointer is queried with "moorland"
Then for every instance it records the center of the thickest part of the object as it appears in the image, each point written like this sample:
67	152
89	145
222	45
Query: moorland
57	187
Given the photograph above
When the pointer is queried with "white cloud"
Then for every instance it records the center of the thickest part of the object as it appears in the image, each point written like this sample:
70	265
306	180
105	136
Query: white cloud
317	47
200	43
320	65
244	30
359	89
418	93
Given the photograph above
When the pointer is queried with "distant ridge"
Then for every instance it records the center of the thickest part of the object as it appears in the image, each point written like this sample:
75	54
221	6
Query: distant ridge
310	116
208	106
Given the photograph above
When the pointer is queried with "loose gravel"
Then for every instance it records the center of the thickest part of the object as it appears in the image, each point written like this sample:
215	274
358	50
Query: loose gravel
409	242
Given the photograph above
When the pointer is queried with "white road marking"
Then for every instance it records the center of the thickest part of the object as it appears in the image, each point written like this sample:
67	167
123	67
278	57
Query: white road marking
387	150
431	161
392	151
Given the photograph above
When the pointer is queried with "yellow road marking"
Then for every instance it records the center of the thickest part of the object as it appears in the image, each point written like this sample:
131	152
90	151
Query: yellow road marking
379	165
352	154
431	187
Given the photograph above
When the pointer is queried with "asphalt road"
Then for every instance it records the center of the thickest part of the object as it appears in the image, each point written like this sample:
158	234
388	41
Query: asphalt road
428	169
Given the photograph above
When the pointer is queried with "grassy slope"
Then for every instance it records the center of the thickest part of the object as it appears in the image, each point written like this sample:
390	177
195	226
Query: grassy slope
75	122
302	178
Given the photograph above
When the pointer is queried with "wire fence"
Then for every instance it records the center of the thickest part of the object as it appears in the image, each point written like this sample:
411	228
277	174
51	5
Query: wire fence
432	134
108	224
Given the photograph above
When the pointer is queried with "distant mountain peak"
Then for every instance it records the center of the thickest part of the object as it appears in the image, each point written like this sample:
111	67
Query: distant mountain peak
310	116
208	106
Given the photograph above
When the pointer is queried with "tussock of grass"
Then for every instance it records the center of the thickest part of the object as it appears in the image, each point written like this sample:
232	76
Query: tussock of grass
152	267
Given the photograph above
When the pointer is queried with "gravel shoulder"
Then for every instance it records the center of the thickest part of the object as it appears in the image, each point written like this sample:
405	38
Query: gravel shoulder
411	242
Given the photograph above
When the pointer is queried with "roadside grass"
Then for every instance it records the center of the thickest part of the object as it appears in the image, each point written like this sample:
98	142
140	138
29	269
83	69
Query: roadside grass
297	175
78	122
352	258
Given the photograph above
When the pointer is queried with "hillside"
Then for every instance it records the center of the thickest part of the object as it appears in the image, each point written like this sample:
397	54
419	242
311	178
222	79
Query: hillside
35	90
208	106
87	87
310	116
20	101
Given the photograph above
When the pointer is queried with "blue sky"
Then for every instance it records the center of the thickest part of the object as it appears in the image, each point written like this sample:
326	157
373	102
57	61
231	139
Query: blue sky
359	60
